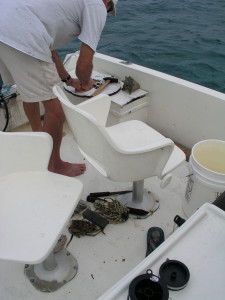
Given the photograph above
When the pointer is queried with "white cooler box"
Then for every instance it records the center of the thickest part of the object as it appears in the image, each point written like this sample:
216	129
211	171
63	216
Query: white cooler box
199	244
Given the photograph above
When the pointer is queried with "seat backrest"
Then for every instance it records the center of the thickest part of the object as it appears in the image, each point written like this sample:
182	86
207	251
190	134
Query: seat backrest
24	151
87	122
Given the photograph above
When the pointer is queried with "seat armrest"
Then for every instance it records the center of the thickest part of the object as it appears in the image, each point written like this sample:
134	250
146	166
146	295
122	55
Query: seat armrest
24	151
177	158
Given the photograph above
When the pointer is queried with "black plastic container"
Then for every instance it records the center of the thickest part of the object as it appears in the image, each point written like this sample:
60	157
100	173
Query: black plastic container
175	274
148	287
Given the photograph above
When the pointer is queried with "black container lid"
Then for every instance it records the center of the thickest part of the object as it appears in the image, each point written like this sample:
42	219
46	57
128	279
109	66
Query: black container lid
148	287
175	274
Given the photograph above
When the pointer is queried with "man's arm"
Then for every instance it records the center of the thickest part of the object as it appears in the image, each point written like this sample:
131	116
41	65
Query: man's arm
83	69
63	74
84	66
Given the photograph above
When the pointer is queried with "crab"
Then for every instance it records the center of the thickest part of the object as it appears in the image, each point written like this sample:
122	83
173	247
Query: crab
130	85
83	227
112	209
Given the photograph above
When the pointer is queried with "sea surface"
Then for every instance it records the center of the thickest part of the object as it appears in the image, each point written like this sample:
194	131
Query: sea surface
183	38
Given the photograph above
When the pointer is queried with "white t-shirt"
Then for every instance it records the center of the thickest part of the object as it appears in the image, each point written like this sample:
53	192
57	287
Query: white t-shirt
36	27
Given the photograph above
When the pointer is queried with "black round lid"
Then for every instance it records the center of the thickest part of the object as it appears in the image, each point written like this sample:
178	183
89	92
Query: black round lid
148	287
175	274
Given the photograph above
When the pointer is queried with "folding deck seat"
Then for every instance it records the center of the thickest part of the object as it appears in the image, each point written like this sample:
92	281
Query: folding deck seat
36	206
130	151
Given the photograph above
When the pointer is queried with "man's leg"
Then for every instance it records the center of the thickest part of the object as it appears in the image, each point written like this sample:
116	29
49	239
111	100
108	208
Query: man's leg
53	124
34	79
32	111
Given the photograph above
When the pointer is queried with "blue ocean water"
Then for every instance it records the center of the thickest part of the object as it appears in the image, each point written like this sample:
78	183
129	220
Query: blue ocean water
184	38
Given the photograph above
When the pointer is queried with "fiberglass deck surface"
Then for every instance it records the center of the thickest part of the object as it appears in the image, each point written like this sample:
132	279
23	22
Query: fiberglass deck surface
105	258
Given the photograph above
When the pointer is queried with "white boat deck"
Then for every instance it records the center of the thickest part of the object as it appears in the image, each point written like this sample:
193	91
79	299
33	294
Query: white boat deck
103	259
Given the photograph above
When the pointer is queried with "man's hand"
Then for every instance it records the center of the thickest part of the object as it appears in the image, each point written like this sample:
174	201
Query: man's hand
88	86
75	83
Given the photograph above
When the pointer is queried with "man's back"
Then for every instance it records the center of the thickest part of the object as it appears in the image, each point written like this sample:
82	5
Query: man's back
36	27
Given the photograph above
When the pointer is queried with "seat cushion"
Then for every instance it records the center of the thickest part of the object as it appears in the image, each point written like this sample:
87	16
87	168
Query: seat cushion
35	208
133	134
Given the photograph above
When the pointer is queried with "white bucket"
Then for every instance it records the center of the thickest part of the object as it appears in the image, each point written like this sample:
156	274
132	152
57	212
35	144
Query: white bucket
207	175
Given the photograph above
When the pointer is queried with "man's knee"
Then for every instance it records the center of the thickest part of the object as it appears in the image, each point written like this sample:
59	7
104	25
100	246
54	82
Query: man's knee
55	112
53	108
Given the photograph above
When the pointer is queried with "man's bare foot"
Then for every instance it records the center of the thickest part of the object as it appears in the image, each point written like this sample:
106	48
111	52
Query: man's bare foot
67	169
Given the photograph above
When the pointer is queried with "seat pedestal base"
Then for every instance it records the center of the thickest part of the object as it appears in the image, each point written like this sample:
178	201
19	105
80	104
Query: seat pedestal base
53	273
140	208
